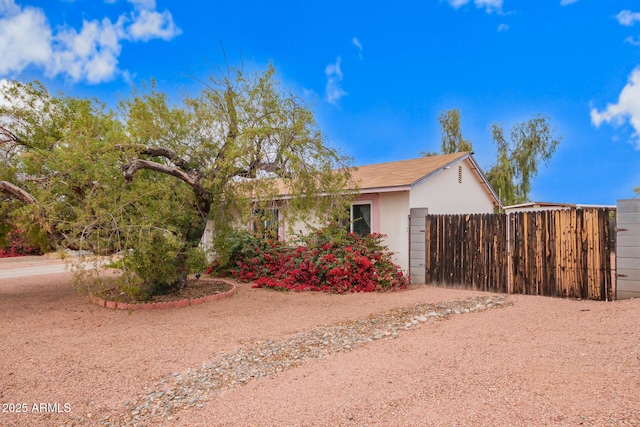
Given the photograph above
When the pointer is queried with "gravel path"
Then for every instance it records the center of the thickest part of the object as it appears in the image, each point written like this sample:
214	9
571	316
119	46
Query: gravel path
267	358
264	358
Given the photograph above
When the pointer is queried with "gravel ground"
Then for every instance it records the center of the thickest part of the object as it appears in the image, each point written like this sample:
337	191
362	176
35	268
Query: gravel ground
422	357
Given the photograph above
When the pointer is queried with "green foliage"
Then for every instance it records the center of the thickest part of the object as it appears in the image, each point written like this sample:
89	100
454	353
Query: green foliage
156	260
452	140
143	180
233	246
532	142
16	243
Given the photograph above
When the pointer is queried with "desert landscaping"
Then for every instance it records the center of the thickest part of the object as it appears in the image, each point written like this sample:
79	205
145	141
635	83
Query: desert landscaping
425	356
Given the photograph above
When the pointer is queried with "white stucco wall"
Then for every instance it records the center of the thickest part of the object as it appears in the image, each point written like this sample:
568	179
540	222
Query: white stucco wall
394	222
443	194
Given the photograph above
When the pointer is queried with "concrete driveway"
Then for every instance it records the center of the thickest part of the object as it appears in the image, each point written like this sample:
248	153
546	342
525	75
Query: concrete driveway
32	271
30	266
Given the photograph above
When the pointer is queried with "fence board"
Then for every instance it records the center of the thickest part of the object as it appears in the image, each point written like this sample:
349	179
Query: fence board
563	253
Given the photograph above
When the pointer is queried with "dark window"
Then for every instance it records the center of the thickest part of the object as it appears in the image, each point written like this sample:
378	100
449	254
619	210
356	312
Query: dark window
361	219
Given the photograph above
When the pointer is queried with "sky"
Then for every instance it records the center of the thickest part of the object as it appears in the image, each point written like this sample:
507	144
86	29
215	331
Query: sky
377	74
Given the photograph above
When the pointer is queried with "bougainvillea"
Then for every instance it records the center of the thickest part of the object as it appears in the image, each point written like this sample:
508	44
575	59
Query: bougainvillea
323	261
16	245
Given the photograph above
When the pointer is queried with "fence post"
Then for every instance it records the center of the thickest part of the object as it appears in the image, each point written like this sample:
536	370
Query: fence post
417	244
507	219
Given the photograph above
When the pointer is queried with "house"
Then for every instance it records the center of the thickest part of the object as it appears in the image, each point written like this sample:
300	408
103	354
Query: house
389	193
546	206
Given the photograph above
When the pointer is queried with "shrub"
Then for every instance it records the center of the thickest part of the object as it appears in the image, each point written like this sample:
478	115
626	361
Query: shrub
160	265
328	260
16	244
233	246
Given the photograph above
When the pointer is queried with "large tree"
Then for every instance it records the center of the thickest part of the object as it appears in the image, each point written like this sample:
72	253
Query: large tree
531	143
452	140
145	179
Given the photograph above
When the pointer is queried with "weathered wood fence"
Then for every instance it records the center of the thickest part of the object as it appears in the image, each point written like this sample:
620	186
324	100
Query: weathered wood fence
563	253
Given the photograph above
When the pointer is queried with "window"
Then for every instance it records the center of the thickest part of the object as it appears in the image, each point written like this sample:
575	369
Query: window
361	218
265	223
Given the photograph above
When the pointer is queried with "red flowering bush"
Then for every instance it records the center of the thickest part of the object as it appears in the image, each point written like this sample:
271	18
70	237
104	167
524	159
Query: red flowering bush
326	261
15	245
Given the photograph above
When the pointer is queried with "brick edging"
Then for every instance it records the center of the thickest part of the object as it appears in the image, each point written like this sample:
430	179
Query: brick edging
166	304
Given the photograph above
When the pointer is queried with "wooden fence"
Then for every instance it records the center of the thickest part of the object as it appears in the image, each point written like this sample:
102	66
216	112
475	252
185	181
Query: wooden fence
564	253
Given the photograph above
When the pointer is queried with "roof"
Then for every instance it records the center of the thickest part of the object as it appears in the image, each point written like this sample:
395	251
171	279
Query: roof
402	173
553	205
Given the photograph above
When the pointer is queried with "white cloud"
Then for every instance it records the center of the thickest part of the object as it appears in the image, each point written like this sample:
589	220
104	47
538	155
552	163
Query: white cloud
628	18
334	91
90	54
626	109
357	44
502	28
25	38
9	7
566	2
458	3
632	41
143	4
151	24
488	5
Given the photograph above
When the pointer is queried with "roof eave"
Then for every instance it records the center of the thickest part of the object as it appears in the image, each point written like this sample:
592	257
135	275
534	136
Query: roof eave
391	189
485	182
440	169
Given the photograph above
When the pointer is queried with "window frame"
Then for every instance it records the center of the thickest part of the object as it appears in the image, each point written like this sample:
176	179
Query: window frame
352	219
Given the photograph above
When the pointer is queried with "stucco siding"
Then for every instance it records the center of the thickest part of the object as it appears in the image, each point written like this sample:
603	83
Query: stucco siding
448	192
394	222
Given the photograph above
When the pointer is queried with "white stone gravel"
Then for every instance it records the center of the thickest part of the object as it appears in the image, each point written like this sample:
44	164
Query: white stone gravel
535	362
194	388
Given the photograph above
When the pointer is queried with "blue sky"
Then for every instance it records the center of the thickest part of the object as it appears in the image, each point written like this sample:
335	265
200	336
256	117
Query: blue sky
377	74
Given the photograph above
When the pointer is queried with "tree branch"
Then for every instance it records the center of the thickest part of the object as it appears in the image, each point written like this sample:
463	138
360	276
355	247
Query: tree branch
161	152
17	192
130	169
7	136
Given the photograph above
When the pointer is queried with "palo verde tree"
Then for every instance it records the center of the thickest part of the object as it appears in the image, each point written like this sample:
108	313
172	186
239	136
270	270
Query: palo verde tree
145	179
531	143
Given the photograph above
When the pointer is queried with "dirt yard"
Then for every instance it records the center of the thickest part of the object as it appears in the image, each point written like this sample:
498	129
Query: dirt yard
532	361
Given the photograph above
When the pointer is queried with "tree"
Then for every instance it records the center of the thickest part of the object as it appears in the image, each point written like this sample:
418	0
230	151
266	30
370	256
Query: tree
145	179
452	140
531	143
238	145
